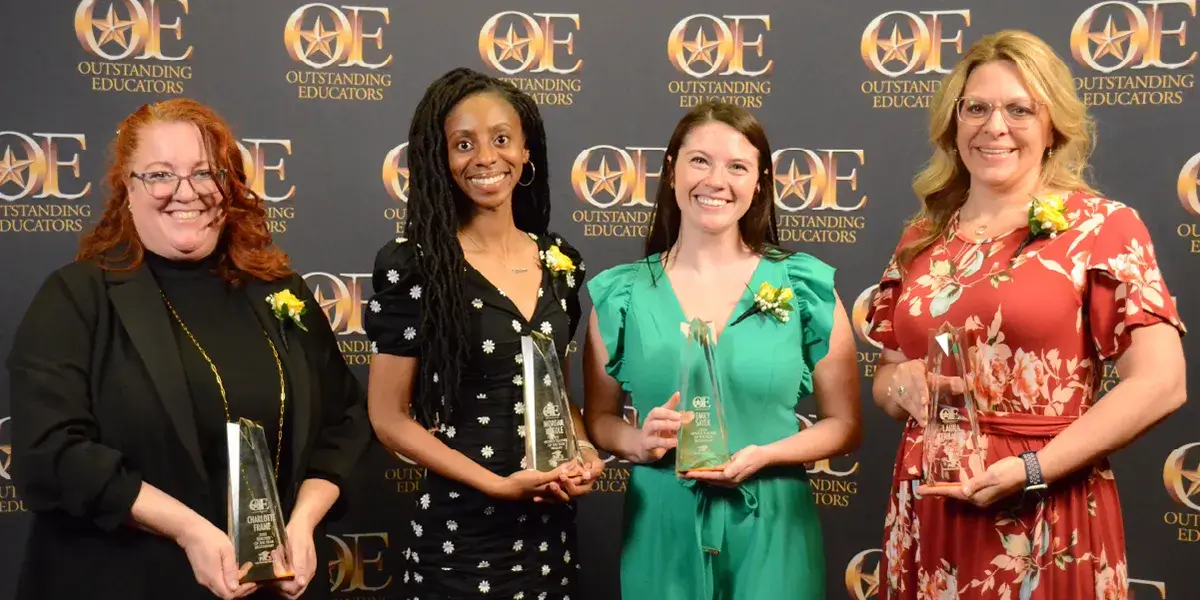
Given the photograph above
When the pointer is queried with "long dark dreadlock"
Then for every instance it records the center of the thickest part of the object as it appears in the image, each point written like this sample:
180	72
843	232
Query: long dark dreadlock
436	210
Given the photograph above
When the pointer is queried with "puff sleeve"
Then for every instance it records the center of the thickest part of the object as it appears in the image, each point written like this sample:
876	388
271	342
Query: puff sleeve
392	317
812	283
1125	288
569	281
611	293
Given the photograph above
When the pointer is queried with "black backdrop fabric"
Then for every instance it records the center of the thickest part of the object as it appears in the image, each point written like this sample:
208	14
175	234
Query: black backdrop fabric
320	96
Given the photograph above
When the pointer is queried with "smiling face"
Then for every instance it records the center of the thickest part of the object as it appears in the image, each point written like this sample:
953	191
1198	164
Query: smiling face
714	177
1002	150
486	148
186	224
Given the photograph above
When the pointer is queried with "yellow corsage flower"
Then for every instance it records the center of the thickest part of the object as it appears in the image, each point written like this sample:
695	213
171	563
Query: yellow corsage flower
773	301
558	262
286	305
1047	216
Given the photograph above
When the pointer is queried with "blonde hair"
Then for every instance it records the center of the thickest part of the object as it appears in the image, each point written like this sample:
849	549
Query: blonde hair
943	183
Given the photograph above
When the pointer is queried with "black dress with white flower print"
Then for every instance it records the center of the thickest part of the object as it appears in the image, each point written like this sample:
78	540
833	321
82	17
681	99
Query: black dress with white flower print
460	543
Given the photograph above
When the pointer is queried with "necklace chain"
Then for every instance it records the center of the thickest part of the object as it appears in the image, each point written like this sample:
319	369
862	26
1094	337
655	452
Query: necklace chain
504	262
221	385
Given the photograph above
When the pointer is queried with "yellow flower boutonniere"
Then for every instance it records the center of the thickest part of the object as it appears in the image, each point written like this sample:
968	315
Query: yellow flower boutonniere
286	305
558	262
773	301
1047	217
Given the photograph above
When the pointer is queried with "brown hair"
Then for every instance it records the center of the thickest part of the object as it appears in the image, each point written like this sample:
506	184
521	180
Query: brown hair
943	184
248	249
757	227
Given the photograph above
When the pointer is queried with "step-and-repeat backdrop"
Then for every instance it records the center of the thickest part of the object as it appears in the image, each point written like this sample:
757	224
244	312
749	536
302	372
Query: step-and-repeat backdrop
320	96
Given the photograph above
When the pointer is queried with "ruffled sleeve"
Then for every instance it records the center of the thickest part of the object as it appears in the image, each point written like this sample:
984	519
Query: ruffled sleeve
569	281
1125	287
812	284
611	292
888	294
392	317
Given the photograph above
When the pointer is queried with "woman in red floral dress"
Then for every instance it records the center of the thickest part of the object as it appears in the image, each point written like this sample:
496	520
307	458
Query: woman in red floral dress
1013	244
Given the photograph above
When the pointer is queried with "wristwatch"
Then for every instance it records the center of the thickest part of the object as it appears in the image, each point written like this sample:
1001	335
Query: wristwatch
1034	482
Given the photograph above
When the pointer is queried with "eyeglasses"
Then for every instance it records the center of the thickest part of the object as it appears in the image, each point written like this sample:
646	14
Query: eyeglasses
1018	114
163	185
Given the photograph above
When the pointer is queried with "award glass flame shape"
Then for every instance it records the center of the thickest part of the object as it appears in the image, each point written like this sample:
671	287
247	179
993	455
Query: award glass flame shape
951	443
549	429
255	516
703	441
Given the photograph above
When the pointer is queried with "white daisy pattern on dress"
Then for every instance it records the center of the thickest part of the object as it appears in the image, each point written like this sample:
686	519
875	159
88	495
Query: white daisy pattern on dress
450	519
376	307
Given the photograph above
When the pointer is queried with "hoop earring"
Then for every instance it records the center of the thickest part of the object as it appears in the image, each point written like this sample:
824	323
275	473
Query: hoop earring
533	169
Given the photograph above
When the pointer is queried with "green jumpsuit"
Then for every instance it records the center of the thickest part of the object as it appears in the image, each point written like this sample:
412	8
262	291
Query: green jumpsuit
685	540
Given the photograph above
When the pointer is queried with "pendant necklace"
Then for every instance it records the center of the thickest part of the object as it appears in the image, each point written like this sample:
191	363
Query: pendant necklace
517	270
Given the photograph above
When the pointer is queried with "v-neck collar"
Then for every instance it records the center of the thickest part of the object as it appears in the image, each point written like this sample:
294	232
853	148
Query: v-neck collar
660	271
506	303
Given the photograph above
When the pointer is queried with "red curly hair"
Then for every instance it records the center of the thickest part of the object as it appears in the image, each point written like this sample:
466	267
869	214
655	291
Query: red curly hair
249	252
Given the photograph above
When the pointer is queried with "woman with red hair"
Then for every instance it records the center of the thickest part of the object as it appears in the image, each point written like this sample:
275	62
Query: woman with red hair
178	317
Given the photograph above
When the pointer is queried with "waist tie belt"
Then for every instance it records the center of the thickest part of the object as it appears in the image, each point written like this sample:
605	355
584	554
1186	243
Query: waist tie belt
1023	425
1039	429
712	515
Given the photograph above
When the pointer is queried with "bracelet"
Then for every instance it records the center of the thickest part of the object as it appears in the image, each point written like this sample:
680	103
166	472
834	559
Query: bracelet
1033	472
586	445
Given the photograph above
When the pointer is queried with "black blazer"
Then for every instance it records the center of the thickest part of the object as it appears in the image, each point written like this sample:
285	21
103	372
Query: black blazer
100	403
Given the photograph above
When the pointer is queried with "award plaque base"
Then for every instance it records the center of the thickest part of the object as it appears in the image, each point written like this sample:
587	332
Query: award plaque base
703	440
255	517
549	429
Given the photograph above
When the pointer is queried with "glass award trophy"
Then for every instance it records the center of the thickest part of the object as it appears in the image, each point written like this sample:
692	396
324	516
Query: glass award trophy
549	429
951	421
703	439
255	517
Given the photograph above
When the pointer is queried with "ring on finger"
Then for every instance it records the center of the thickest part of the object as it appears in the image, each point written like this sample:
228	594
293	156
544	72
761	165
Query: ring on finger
900	390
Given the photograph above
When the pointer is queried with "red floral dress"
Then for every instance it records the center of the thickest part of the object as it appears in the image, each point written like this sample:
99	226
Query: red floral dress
1052	316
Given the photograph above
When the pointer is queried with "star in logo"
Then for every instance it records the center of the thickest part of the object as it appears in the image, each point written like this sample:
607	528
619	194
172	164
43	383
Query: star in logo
5	454
333	307
859	584
604	180
701	49
319	39
794	182
395	173
11	170
1110	41
894	47
112	30
511	46
1182	484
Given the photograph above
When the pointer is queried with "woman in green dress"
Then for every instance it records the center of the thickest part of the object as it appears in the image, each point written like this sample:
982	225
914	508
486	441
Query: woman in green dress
749	530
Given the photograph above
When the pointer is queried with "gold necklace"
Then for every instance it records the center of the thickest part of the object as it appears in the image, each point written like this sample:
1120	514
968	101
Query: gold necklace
221	386
518	270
